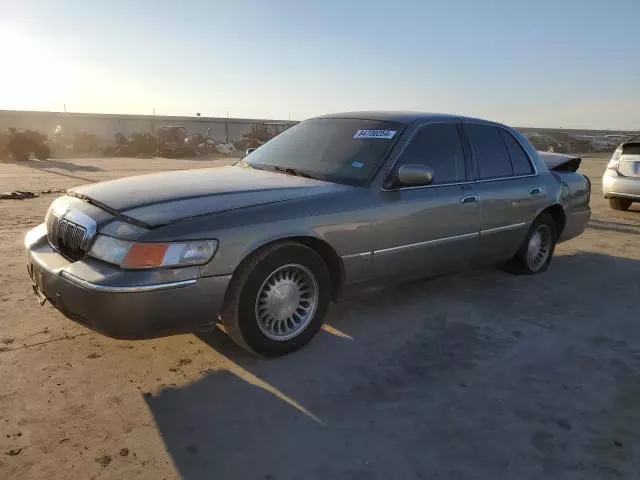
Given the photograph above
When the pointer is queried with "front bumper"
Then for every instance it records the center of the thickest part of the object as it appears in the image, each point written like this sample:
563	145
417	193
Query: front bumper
615	186
124	304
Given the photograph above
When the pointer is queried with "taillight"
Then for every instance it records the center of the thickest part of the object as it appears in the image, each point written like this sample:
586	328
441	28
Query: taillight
615	159
588	188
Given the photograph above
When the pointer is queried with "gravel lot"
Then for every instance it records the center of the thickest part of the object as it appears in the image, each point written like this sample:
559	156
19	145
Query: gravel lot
477	375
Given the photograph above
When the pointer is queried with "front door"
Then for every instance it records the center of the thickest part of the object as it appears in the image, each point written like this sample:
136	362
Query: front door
423	231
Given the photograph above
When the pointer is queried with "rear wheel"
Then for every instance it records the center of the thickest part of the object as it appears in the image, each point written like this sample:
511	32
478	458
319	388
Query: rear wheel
20	155
203	149
620	203
536	251
42	153
277	300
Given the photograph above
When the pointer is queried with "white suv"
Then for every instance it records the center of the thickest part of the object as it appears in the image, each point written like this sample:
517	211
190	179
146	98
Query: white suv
621	180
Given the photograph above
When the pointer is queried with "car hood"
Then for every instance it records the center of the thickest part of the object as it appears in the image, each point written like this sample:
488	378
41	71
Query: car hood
162	198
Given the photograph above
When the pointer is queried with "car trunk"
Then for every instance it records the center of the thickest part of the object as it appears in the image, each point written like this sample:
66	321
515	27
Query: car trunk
558	162
629	163
565	169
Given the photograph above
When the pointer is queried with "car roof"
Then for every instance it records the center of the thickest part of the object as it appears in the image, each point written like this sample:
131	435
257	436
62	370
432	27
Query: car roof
404	117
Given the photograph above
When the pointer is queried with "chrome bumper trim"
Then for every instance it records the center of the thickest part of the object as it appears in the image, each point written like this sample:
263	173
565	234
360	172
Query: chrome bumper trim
506	228
357	255
138	288
436	241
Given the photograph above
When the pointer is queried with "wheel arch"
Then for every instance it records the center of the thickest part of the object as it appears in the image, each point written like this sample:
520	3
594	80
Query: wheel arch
320	246
559	217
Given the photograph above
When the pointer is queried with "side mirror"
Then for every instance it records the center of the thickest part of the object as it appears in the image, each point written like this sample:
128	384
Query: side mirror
414	176
249	150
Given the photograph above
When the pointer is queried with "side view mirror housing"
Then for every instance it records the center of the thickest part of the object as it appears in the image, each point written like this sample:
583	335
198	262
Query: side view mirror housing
249	150
414	176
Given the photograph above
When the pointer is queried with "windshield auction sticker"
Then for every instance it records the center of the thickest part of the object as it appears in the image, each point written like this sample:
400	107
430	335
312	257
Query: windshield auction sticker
384	134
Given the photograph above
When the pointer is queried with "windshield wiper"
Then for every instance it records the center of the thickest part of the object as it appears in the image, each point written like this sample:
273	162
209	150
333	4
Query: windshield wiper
291	171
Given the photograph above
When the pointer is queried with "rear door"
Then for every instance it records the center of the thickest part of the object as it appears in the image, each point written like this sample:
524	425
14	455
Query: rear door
509	188
426	230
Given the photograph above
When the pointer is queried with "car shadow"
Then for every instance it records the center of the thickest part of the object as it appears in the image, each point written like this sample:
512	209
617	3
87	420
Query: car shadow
50	164
610	226
407	383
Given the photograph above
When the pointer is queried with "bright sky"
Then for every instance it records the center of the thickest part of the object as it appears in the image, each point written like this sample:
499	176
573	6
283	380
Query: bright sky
552	63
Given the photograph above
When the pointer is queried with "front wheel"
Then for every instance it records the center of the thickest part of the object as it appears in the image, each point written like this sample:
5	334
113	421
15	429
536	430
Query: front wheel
277	300
536	251
620	203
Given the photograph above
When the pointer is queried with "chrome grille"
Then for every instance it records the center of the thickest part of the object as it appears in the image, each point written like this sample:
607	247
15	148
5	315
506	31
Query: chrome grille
67	237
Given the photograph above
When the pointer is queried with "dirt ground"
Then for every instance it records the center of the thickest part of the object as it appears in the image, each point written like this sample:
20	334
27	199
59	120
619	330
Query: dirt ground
480	375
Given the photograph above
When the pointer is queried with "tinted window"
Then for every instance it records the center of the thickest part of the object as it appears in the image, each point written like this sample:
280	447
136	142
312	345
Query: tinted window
437	146
337	150
490	150
519	159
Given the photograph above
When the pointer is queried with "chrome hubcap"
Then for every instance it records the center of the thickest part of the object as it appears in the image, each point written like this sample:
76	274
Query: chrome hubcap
539	247
286	302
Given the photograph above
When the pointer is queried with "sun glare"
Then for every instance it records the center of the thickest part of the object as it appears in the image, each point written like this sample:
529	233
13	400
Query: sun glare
37	79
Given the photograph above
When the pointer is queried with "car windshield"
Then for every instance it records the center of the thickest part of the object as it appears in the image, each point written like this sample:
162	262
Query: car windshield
338	150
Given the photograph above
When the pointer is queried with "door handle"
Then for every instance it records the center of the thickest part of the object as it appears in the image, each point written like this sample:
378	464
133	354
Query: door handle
470	199
535	190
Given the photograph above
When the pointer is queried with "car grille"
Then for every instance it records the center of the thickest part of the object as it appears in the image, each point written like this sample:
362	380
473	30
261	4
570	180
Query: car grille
66	237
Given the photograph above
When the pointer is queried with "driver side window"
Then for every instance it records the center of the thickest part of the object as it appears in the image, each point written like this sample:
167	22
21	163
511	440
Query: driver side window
438	147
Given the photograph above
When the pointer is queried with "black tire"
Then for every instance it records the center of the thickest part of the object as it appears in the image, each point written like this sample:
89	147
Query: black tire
620	203
165	152
42	153
239	313
20	155
551	149
203	149
519	264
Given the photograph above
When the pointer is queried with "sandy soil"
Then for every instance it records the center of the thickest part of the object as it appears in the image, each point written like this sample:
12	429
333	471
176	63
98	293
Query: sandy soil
476	375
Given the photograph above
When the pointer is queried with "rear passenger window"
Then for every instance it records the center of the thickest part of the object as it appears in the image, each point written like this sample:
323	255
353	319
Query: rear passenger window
438	147
519	159
491	152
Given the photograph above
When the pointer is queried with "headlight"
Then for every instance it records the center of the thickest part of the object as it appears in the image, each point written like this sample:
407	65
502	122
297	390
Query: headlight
120	229
152	255
110	249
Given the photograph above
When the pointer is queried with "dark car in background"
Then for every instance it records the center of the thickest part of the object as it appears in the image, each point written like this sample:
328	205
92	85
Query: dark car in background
20	144
172	142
